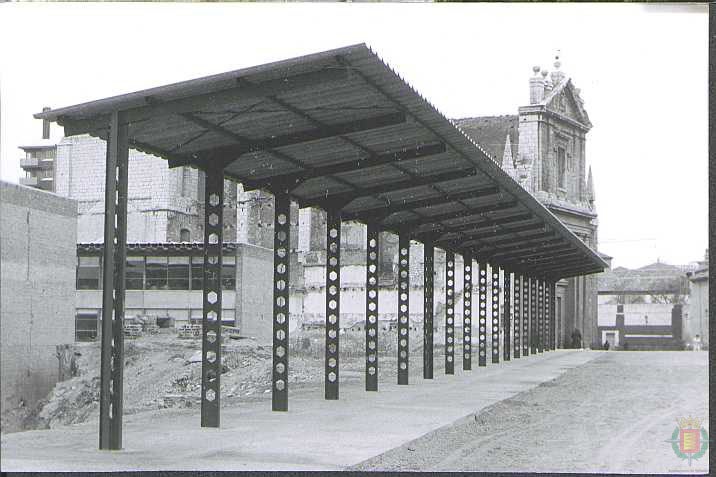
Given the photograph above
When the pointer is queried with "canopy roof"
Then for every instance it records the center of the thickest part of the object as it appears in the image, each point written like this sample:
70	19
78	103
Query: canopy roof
340	129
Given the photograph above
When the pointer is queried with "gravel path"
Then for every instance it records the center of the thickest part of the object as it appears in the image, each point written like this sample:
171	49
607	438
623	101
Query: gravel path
613	414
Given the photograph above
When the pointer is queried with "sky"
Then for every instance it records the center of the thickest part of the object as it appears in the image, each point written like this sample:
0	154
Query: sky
642	70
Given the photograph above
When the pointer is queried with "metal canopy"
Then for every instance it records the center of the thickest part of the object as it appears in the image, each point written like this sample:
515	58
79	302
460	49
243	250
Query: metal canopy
341	130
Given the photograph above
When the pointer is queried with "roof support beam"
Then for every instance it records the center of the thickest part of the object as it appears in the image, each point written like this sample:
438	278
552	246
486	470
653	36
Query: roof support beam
536	258
522	256
299	137
471	213
375	160
387	209
541	265
497	252
527	243
546	261
440	228
475	230
476	233
567	267
406	184
502	231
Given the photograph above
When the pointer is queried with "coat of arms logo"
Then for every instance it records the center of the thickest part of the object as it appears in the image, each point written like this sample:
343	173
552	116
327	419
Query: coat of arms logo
689	440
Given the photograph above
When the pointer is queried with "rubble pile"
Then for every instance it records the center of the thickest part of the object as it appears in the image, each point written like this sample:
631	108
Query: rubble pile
163	371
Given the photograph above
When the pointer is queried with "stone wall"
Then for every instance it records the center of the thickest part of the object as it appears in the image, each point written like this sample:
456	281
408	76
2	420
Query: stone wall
38	232
160	202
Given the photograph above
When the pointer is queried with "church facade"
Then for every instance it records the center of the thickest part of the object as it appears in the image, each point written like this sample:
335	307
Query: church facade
543	148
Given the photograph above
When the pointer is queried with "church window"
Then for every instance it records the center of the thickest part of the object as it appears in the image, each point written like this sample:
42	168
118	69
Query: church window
561	168
184	185
184	235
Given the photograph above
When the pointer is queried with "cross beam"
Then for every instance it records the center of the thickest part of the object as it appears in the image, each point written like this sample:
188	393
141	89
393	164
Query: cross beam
298	137
482	224
410	183
371	161
383	211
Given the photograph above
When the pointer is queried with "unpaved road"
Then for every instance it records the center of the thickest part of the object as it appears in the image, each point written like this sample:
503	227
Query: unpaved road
612	414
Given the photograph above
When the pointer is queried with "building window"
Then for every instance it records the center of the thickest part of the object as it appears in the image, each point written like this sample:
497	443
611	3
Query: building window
228	272
178	273
197	273
88	273
156	273
134	273
184	235
561	168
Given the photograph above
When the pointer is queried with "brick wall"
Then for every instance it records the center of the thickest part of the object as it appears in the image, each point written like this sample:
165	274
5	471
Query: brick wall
37	272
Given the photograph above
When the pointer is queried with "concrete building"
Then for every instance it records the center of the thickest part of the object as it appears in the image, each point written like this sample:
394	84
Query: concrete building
696	319
642	308
164	205
164	280
38	165
37	289
543	147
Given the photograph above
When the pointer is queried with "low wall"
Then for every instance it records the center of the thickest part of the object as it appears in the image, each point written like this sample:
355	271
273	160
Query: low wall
38	232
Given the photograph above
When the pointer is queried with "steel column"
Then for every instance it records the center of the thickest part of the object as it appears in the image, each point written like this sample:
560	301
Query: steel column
507	324
113	285
403	306
540	316
482	277
281	280
467	313
429	299
371	308
449	313
533	315
211	316
333	301
525	315
517	311
547	318
495	303
552	313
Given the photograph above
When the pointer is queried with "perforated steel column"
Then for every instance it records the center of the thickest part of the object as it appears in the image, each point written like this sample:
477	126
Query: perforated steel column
211	318
540	316
517	312
526	308
113	286
467	313
552	314
449	313
495	303
533	315
547	345
428	298
403	307
482	341
371	309
333	301
281	275
507	324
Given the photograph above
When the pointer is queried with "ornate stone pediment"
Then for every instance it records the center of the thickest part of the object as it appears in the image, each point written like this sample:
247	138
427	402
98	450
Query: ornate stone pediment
565	101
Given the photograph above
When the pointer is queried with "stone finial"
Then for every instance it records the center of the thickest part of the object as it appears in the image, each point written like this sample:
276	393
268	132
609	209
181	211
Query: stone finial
508	163
535	70
557	75
590	188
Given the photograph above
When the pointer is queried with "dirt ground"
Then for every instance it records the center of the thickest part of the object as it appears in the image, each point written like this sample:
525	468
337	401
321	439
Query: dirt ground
613	414
163	371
